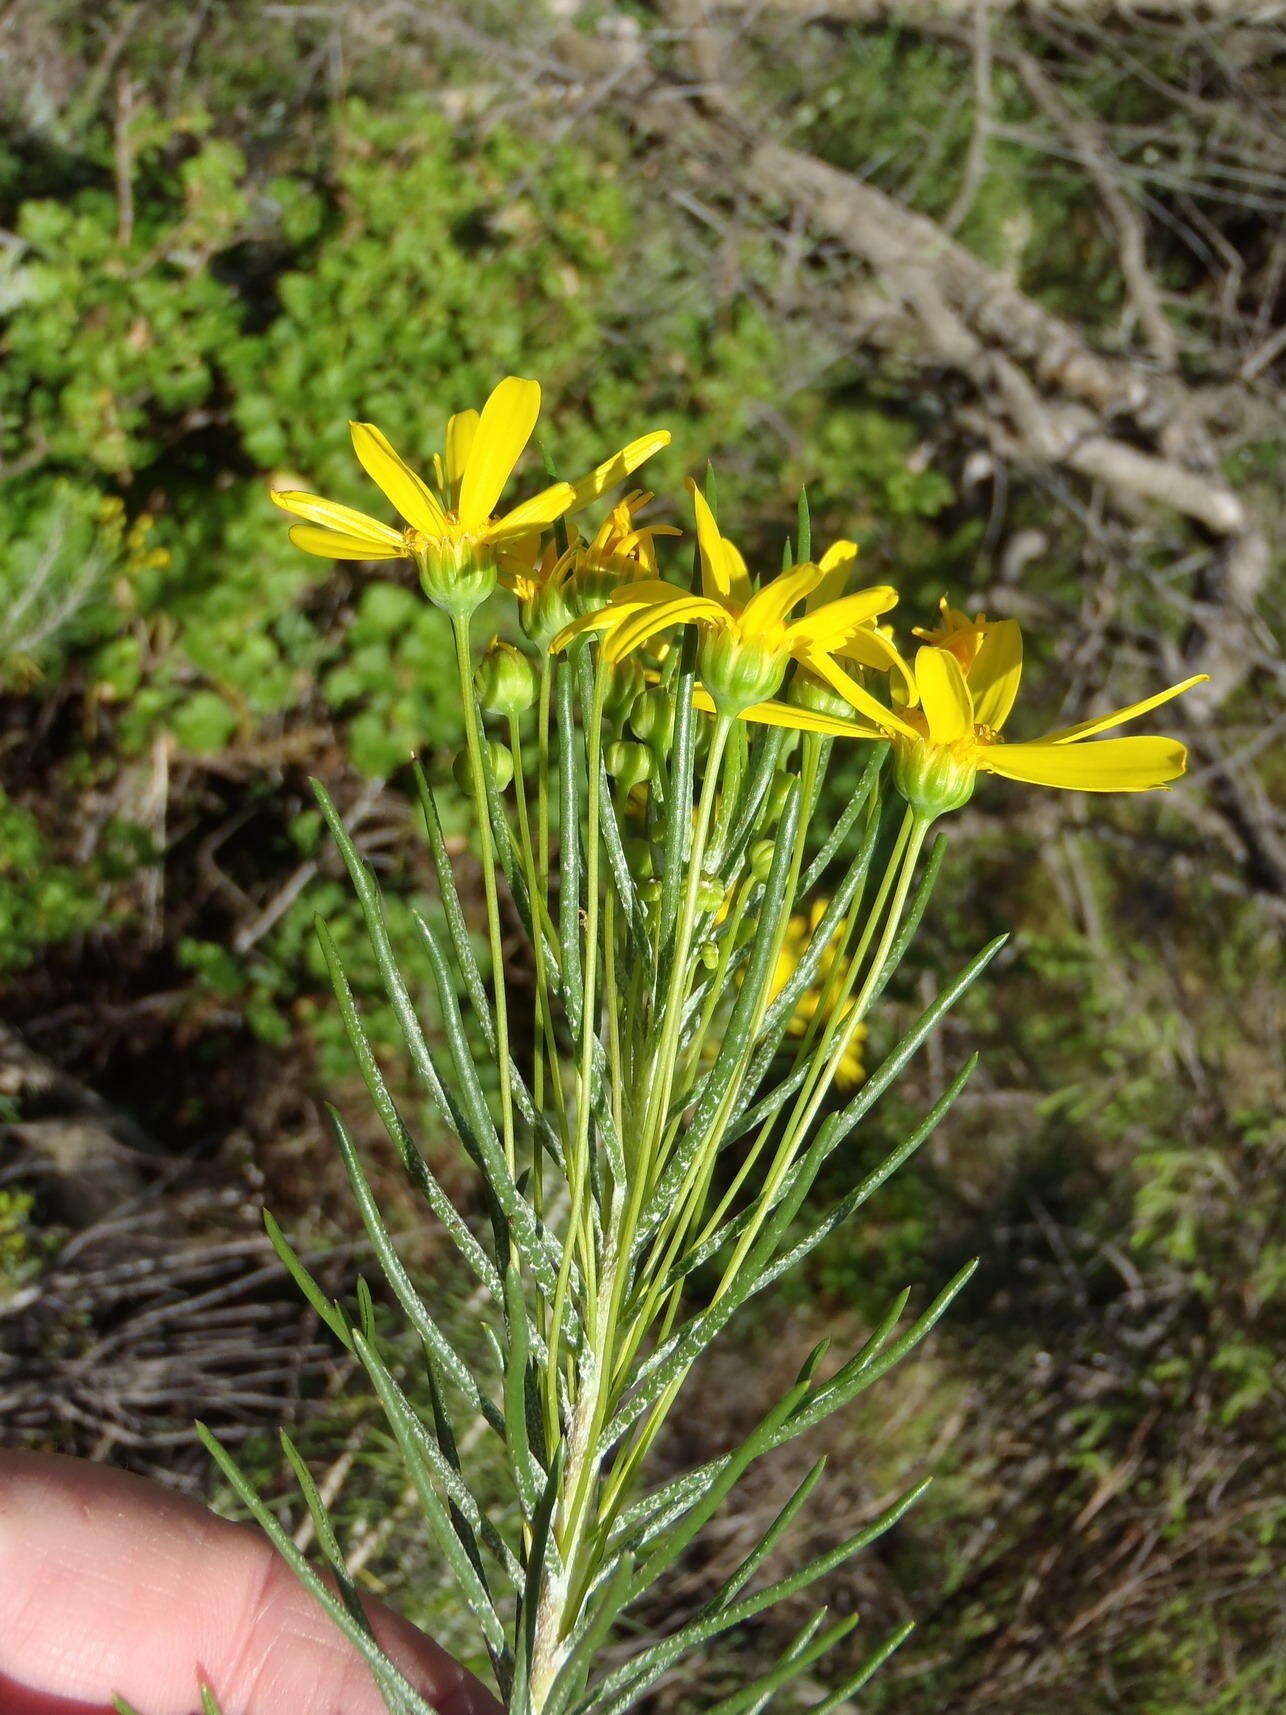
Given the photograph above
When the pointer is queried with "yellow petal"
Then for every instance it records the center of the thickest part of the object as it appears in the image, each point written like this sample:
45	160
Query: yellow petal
869	648
394	477
459	438
604	620
768	607
625	601
334	545
723	571
342	518
773	713
819	662
502	431
645	592
1112	765
1100	723
830	626
657	616
542	509
836	563
617	468
944	695
994	673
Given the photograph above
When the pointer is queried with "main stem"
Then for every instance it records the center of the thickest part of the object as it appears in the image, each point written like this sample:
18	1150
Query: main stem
487	856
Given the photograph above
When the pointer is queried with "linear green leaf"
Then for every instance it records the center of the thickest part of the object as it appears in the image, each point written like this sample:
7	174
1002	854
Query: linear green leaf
401	1282
644	1669
416	1167
461	1551
527	1474
869	1668
326	1308
792	1664
845	820
377	931
410	1700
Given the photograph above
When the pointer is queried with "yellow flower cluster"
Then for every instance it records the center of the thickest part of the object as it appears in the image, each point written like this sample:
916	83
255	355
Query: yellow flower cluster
943	712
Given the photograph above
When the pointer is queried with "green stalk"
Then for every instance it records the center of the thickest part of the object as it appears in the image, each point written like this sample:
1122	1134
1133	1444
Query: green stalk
662	1065
578	1163
901	866
487	856
603	1364
902	862
545	1041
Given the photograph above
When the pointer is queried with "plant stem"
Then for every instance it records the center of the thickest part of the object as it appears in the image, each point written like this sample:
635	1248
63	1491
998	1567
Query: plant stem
578	1163
487	857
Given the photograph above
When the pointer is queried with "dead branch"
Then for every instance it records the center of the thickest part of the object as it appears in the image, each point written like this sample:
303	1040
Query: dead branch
1048	398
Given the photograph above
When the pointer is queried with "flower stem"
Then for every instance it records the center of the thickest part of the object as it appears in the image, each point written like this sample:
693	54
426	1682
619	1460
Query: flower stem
487	857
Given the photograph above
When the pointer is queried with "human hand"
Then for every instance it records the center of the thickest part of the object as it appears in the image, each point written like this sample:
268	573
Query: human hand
110	1586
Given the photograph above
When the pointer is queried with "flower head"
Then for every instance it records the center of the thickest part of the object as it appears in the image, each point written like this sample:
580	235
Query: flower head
941	745
552	587
957	633
746	635
455	535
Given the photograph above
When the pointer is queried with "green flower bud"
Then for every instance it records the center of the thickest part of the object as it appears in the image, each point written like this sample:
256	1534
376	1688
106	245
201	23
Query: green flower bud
710	894
649	892
778	792
761	856
709	955
456	574
736	672
504	679
628	764
807	691
652	717
590	589
545	615
640	857
934	778
625	681
502	766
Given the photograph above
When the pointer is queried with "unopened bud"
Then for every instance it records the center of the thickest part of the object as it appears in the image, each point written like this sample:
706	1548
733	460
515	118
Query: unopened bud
628	764
761	856
640	858
505	680
652	717
710	894
807	691
778	793
502	766
625	681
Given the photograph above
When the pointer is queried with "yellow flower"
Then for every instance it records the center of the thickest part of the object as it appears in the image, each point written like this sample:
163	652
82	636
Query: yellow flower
455	535
551	587
799	932
957	633
869	644
746	635
956	731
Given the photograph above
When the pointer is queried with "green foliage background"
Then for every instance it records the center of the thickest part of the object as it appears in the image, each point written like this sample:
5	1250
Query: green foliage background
202	278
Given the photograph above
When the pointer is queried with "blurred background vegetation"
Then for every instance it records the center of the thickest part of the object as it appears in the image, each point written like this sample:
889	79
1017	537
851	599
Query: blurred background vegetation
225	229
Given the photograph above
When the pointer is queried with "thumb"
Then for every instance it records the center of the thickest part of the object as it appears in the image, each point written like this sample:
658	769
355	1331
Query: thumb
111	1587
